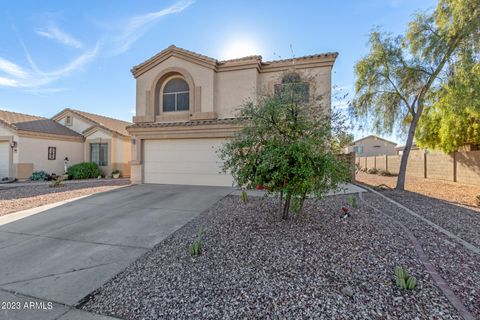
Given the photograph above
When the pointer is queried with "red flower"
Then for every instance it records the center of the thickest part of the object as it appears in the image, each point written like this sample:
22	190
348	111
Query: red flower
345	210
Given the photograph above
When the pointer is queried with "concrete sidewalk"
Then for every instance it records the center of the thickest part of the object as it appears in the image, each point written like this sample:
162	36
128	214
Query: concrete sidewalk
53	259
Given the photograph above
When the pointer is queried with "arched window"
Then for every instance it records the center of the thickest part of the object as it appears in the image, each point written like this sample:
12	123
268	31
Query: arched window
293	88
176	96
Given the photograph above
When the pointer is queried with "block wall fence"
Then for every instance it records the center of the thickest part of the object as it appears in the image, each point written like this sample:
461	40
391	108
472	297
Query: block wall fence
461	167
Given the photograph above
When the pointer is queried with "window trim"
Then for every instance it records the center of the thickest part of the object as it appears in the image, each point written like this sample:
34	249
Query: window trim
68	120
100	163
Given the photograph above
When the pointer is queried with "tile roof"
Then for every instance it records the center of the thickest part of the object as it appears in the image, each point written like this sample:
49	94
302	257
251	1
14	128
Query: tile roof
214	63
26	122
110	124
186	123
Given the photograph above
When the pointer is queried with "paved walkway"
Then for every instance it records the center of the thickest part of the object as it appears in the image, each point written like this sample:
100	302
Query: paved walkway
51	260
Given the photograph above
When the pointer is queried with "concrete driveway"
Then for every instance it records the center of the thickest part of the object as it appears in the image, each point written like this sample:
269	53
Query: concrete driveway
51	260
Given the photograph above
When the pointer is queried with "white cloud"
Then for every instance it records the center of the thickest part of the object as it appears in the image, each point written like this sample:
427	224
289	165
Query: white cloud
5	82
136	26
33	78
12	69
55	33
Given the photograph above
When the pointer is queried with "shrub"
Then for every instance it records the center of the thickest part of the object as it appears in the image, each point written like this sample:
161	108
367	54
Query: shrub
115	171
372	171
84	170
39	176
285	147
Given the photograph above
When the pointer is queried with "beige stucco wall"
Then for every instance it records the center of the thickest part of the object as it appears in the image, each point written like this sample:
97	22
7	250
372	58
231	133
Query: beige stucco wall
232	89
202	76
78	125
224	91
369	149
32	150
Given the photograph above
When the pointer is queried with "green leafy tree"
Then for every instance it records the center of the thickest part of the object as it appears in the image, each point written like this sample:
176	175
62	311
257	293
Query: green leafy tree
284	146
401	76
454	119
343	139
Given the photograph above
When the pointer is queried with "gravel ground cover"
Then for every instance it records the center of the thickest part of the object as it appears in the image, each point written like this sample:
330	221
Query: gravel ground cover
13	199
458	266
254	265
445	190
462	221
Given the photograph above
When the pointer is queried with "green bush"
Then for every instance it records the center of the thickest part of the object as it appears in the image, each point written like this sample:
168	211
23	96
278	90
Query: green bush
372	171
84	170
39	176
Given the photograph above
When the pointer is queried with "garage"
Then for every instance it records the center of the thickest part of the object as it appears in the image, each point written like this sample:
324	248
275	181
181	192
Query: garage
184	161
4	159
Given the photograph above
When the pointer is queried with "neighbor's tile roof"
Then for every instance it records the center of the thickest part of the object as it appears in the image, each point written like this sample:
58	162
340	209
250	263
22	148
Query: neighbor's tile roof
186	123
115	125
26	122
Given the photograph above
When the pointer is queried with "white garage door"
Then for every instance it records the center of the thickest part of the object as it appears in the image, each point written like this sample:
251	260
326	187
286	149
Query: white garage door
4	159
184	161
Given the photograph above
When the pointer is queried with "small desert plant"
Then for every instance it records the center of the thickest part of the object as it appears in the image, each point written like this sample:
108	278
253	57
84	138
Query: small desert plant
404	280
372	171
244	196
195	248
352	201
57	183
39	176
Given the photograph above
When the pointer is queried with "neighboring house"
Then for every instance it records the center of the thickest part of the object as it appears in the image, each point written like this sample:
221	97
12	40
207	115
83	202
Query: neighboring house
371	146
107	142
30	143
186	104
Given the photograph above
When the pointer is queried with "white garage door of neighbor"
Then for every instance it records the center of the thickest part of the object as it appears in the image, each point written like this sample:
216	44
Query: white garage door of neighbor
4	159
184	161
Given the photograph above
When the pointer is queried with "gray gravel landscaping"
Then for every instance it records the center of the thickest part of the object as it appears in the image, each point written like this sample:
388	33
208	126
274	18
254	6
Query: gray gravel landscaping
462	221
16	197
459	267
254	265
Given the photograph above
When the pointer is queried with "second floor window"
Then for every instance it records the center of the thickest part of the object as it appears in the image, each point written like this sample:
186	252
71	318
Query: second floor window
99	153
293	89
176	96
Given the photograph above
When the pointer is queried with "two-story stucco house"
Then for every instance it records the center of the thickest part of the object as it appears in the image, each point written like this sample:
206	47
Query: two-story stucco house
186	104
371	146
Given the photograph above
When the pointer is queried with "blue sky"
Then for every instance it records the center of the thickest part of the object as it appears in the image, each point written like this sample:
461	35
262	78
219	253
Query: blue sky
56	54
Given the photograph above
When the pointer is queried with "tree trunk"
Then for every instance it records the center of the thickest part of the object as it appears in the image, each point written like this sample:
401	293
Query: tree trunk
286	208
406	151
280	206
302	201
